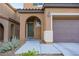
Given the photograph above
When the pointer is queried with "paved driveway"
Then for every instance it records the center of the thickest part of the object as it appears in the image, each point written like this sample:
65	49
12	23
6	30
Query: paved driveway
67	49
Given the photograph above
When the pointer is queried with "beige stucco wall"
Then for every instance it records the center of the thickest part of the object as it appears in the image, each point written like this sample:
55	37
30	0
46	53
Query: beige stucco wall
56	10
16	30
8	12
37	32
31	6
23	19
17	16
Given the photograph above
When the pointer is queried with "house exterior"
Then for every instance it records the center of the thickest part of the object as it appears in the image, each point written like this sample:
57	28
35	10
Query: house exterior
49	22
9	22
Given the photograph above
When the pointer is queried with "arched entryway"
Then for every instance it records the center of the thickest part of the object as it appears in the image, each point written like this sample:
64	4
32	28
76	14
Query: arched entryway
33	27
1	33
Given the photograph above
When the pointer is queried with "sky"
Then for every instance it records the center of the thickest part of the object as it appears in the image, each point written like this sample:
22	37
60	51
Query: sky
17	5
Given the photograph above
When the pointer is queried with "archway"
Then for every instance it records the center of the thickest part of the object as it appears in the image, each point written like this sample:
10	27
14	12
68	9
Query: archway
33	27
1	33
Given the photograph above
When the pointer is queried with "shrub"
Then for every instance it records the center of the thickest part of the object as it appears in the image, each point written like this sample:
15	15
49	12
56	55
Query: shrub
7	46
15	42
30	53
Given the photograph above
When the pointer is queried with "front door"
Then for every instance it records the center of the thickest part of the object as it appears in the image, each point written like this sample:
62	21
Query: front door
30	30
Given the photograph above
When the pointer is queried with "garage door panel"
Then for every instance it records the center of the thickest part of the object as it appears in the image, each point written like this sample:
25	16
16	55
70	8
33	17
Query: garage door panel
66	30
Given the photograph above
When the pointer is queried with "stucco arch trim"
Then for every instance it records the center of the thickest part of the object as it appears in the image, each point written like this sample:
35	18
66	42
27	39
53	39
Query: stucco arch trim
5	24
33	16
26	25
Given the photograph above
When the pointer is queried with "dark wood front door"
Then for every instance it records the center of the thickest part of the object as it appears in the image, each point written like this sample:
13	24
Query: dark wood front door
30	29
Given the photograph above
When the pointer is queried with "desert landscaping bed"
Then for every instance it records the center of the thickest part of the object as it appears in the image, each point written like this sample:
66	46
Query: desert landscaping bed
8	53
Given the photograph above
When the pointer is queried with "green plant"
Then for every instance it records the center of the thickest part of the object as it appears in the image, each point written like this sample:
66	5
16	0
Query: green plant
7	46
30	53
15	42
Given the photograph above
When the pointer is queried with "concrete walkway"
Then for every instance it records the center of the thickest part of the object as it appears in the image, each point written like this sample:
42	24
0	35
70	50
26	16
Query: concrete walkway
67	49
48	49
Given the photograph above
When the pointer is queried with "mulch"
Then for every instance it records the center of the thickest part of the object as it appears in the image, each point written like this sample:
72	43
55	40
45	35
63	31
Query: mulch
8	53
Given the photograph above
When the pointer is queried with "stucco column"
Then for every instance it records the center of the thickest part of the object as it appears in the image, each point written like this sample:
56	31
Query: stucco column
48	32
22	30
6	31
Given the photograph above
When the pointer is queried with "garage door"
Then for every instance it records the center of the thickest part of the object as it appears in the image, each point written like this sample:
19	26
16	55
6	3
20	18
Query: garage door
66	30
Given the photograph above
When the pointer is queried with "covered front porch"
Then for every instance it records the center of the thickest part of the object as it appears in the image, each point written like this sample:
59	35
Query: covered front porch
31	24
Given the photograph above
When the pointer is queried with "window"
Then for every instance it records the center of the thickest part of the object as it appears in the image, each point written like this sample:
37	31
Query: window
37	4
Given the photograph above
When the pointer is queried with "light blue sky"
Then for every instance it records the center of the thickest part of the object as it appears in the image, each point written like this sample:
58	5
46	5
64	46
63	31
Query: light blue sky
17	5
